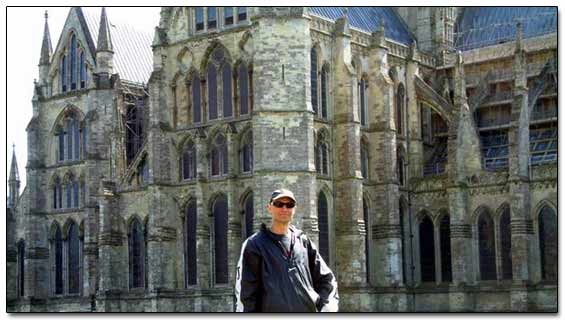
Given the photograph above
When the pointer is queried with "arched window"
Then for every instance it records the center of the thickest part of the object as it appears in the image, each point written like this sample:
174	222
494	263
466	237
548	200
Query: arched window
248	215
314	79
82	68
190	244
324	91
75	194
64	73
323	226
189	162
145	252
445	248
135	252
69	194
243	86
506	244
246	153
219	157
427	250
57	269
364	160
487	253
322	154
400	169
227	90
401	217
367	239
547	229
73	259
61	140
68	134
57	194
212	92
73	62
21	268
196	108
220	212
399	109
362	89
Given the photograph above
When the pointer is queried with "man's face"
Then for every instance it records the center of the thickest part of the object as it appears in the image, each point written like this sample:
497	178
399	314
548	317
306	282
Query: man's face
284	214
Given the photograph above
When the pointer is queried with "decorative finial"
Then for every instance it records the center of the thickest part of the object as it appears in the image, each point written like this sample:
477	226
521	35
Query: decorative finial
46	15
346	11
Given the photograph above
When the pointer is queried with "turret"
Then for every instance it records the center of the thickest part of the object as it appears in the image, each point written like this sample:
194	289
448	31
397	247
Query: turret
14	182
46	52
104	48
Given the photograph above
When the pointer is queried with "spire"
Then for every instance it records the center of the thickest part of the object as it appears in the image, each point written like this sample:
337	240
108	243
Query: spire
519	37
14	174
46	49
13	182
104	38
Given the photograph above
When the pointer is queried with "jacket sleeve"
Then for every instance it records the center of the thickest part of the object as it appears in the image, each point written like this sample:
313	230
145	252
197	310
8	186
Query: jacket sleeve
248	279
323	280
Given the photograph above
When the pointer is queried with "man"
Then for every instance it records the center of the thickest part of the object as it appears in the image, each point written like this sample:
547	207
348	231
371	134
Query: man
280	269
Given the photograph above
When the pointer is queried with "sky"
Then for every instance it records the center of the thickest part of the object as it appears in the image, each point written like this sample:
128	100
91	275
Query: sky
24	37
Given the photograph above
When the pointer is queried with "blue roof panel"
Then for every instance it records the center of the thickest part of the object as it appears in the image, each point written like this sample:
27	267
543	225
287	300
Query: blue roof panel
485	26
368	19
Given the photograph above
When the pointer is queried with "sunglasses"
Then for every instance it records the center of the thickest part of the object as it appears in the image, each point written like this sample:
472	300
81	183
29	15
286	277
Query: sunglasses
279	204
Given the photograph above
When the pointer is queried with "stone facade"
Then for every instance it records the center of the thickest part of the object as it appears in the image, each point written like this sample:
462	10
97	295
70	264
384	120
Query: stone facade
379	197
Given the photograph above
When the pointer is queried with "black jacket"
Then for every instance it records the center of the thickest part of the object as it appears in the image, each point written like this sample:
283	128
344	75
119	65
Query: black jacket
268	280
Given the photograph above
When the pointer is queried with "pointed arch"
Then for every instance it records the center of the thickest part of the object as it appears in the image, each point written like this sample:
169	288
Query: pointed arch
190	241
20	271
365	157
73	256
548	242
136	251
195	88
362	89
219	210
324	90
427	247
248	213
314	79
188	159
444	223
323	226
400	108
56	246
219	162
246	151
366	219
486	244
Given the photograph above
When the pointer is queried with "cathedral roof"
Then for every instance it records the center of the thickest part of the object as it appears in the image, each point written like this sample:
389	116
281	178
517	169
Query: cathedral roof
133	57
368	19
485	26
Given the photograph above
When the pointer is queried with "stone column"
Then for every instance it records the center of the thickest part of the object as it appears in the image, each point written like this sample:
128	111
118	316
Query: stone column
385	228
